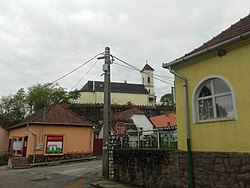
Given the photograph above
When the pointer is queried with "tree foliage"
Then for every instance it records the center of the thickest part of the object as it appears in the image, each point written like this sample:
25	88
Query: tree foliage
167	99
14	108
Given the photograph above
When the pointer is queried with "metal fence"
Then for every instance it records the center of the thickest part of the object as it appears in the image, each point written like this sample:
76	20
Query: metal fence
165	138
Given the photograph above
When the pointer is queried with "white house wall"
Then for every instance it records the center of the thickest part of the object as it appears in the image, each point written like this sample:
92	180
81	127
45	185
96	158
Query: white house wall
141	120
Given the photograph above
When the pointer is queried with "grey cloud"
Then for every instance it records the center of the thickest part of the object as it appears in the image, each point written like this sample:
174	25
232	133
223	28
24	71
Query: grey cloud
42	40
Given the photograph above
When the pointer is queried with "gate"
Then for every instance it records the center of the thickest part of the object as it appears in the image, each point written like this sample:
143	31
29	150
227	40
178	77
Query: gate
97	150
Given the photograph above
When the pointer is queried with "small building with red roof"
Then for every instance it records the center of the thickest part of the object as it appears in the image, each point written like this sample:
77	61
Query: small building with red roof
52	132
163	121
134	118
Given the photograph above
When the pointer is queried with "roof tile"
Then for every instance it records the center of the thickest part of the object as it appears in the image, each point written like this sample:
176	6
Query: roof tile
147	67
237	29
165	120
115	87
54	114
127	114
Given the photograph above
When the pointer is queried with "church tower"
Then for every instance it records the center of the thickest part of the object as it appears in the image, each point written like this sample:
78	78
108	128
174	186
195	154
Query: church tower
147	79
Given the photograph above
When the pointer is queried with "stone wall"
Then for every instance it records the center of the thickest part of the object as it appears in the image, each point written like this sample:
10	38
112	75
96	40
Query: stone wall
146	168
216	169
169	168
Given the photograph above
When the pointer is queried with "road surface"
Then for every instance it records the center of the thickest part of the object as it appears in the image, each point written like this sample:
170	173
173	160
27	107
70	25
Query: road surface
71	175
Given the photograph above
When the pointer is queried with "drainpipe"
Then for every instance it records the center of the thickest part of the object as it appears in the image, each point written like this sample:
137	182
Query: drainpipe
190	160
34	150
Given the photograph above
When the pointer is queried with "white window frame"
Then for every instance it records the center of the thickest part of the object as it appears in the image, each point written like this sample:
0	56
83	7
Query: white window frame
196	92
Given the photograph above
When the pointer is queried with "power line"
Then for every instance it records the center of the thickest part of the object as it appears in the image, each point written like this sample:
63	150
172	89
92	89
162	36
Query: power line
161	79
84	75
75	69
155	75
135	68
123	66
127	64
162	76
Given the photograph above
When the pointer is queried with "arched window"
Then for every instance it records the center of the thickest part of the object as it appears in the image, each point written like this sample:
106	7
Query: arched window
213	101
148	79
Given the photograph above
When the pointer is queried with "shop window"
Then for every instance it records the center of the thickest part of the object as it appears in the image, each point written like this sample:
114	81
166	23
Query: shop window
54	145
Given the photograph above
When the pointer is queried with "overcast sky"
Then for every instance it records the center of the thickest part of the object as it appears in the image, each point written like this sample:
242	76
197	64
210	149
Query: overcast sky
41	40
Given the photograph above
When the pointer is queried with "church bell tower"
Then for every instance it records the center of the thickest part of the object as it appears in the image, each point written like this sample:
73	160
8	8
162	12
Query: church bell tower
147	79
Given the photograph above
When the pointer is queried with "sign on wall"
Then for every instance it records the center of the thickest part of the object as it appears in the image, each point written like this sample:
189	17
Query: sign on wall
54	144
17	145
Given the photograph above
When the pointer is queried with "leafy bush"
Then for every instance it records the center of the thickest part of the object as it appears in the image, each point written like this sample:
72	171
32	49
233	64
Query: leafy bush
3	159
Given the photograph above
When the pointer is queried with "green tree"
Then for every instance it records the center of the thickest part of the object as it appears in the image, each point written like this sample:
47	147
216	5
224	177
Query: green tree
40	96
14	108
167	99
72	96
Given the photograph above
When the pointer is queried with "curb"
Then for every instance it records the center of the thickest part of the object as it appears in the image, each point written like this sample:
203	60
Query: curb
53	163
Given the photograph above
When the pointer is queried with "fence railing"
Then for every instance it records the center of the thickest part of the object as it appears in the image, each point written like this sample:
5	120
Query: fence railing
165	138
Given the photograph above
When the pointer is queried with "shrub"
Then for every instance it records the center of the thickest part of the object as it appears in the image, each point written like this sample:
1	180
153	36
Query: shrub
4	159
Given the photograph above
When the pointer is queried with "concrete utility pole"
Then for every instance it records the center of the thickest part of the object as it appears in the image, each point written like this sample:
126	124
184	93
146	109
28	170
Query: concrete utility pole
106	114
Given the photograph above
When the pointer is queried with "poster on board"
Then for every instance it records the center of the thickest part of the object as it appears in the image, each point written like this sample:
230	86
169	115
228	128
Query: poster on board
54	144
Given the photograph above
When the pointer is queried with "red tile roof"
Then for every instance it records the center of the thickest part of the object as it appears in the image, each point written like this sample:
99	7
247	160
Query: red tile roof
164	120
239	28
127	114
237	32
54	114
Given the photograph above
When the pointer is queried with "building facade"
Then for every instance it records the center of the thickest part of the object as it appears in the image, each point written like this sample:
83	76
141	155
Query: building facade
147	79
122	93
52	132
212	107
3	140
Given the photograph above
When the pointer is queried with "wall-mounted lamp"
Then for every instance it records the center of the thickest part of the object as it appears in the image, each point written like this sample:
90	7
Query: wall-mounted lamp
222	52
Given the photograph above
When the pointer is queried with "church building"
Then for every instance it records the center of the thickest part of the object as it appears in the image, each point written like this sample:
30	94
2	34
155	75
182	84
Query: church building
122	93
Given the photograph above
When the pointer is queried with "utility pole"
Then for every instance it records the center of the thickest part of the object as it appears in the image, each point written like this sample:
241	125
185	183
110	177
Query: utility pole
106	114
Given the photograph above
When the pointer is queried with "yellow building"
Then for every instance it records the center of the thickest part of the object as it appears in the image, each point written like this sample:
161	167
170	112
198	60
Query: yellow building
122	93
213	105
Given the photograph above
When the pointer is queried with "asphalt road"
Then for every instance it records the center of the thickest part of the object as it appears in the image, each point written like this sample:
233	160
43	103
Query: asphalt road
70	175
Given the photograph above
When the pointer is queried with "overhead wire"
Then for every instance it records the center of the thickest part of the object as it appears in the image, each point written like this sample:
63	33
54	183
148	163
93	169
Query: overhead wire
135	68
162	76
124	66
84	75
156	75
162	79
126	63
74	69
